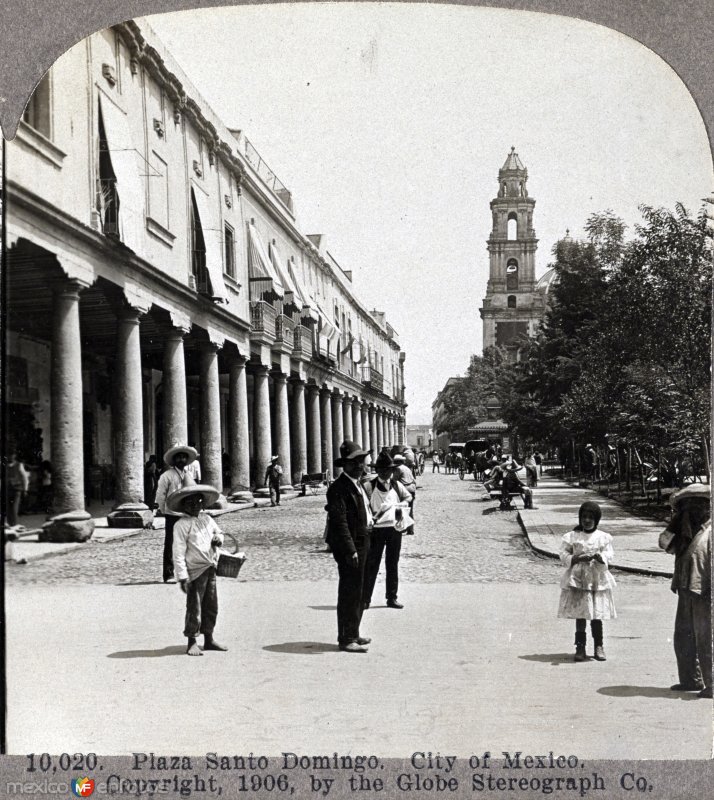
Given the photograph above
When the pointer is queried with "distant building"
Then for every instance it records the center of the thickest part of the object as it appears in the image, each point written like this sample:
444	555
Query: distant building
419	436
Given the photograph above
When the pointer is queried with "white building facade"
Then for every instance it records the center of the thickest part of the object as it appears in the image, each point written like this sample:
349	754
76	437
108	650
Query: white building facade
159	292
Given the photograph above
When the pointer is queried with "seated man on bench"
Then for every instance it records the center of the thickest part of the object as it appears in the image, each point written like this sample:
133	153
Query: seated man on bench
497	472
512	485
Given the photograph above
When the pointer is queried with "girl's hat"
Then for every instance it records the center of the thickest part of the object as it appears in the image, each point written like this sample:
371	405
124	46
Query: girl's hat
174	502
592	508
191	452
696	491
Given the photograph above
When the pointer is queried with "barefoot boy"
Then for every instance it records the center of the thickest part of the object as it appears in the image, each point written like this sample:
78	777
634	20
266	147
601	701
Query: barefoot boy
196	539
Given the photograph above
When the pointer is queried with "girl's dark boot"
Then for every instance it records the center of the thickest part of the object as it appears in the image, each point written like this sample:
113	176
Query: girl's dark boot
580	639
596	630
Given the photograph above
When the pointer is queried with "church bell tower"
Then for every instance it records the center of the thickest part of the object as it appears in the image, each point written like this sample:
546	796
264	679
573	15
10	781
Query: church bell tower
513	306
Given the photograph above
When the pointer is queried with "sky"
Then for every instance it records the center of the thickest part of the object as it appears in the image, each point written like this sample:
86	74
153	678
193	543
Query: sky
389	123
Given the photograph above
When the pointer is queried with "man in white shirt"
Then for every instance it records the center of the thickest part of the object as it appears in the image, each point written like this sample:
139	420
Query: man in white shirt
388	501
176	460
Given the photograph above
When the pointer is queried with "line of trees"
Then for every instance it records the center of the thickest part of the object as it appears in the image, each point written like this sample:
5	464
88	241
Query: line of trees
624	349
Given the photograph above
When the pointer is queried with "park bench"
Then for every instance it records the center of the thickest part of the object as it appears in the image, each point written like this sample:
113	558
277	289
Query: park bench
505	500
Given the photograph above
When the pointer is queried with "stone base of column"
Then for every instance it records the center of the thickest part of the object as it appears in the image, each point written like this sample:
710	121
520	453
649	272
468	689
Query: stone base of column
73	526
240	495
130	515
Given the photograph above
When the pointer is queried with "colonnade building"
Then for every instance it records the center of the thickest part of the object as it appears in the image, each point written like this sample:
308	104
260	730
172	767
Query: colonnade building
160	293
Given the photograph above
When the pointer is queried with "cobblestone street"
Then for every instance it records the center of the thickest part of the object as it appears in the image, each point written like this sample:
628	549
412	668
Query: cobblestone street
460	537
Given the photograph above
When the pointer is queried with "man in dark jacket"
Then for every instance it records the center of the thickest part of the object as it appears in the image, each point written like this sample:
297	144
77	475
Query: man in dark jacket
348	525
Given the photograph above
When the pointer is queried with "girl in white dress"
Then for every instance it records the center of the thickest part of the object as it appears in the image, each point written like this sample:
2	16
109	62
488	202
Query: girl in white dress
586	586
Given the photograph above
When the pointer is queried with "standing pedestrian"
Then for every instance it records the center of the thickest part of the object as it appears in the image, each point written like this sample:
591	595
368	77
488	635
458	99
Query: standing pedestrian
688	537
436	463
195	553
18	481
46	496
176	460
348	526
151	481
194	467
405	476
388	501
531	466
587	584
273	474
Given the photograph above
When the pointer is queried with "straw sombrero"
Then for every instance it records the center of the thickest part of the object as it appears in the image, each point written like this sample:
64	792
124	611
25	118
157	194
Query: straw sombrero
175	499
697	491
191	452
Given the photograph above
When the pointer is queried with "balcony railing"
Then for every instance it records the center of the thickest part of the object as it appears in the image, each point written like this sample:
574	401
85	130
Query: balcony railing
262	317
373	377
302	338
284	330
269	177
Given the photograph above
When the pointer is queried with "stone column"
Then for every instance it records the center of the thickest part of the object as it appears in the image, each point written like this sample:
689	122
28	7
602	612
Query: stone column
337	429
261	424
356	421
129	511
282	426
393	430
326	425
364	416
210	420
174	390
314	435
347	417
373	445
238	435
380	431
385	437
71	522
298	431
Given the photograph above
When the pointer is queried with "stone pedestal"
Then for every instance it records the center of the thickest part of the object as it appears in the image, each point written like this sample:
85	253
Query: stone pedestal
73	526
130	515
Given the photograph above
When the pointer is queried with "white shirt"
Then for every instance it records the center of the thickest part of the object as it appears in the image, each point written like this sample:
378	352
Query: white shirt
192	550
169	481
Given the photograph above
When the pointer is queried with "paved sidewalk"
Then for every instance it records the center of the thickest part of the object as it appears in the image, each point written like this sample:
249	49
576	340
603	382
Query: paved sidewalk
28	547
555	512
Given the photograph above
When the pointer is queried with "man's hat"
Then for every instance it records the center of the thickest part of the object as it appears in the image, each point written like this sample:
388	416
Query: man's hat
349	451
174	502
696	491
274	458
399	458
191	452
384	461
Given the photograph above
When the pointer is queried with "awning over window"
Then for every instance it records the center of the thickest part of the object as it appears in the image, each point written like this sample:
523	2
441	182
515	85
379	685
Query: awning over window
213	239
127	165
309	309
292	293
262	276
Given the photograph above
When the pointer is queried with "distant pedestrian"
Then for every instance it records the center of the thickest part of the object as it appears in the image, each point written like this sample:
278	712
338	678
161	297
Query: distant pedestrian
18	481
195	553
406	477
436	463
46	493
273	474
151	481
688	537
194	467
587	584
538	458
176	460
531	470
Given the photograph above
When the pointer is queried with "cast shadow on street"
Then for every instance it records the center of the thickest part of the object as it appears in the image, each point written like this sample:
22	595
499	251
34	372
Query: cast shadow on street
143	583
323	608
173	650
555	659
662	692
302	648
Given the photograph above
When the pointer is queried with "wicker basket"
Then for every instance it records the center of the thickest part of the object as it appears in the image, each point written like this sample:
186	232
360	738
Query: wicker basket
229	564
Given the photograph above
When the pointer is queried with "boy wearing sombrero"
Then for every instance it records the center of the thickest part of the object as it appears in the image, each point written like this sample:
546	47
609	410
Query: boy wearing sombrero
176	460
195	553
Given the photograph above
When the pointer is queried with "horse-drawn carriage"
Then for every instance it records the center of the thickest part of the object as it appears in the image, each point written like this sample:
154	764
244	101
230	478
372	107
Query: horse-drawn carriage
474	459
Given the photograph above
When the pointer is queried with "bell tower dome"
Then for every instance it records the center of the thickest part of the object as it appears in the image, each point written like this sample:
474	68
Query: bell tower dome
512	306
